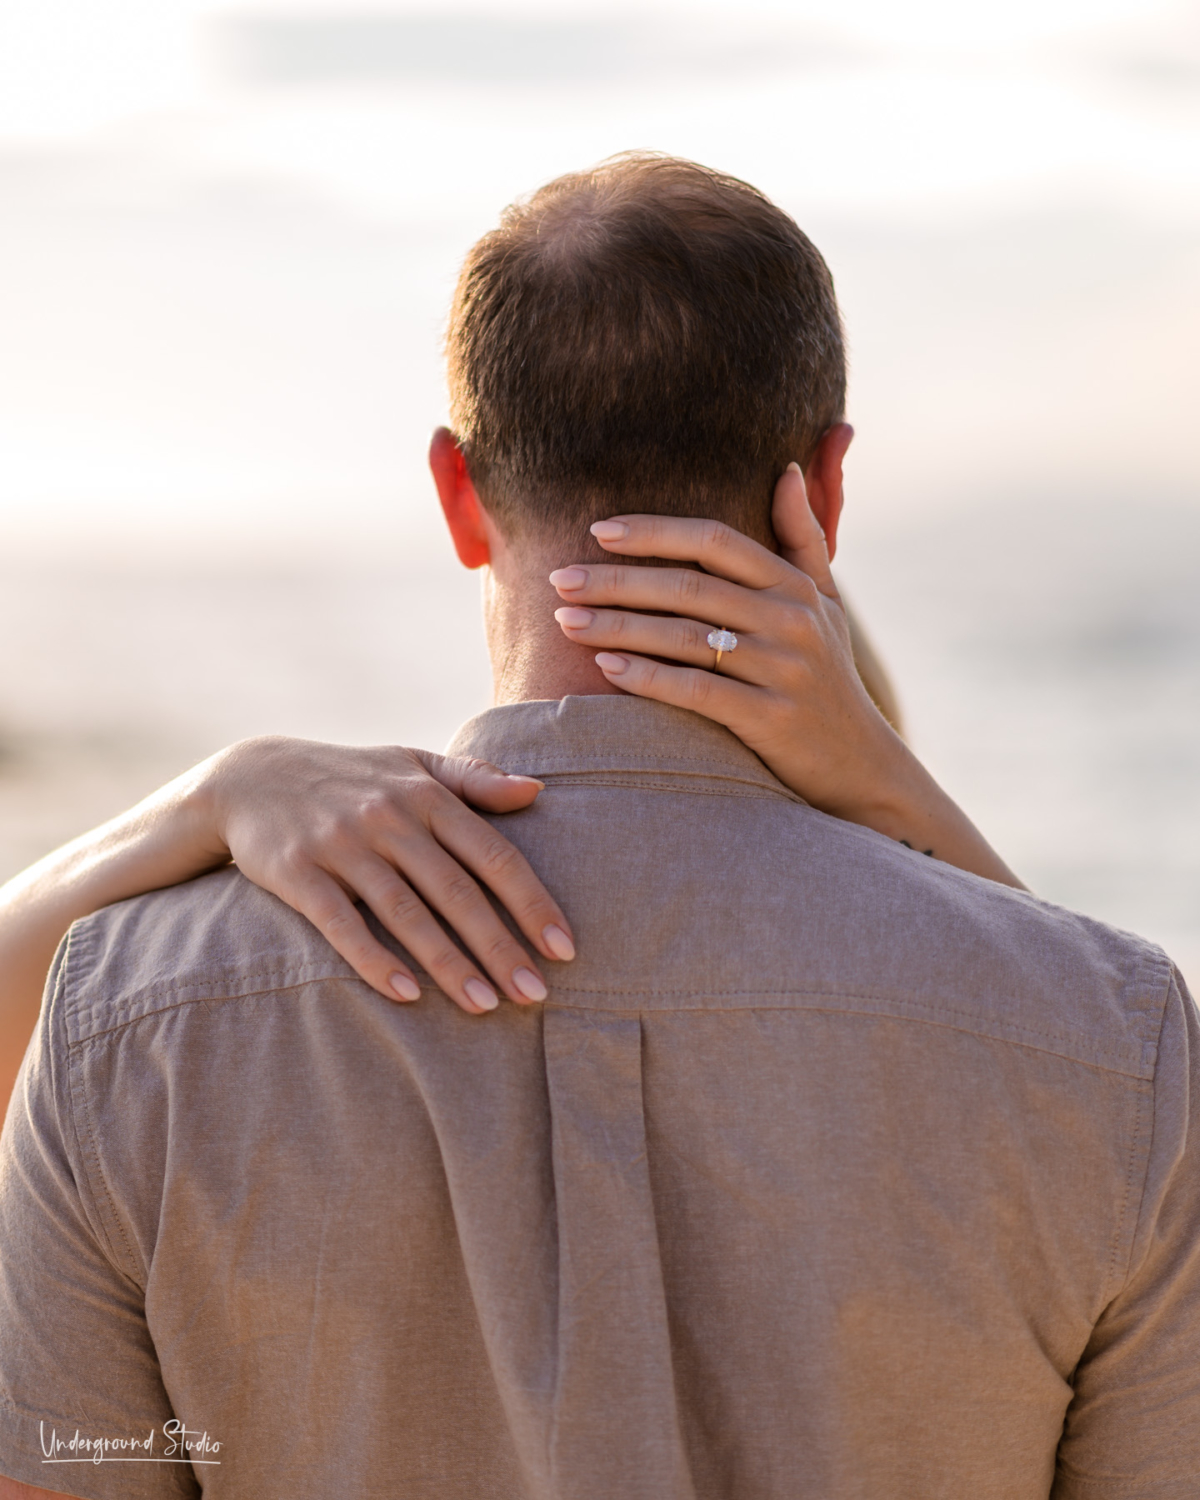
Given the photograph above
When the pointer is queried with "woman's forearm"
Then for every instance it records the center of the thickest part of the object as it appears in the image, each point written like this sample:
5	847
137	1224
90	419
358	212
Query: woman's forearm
910	806
165	839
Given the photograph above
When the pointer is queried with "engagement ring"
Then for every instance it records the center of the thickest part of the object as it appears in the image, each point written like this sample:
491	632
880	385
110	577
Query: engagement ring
721	641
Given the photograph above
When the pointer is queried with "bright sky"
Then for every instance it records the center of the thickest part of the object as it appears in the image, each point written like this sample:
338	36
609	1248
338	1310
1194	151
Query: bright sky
74	65
221	293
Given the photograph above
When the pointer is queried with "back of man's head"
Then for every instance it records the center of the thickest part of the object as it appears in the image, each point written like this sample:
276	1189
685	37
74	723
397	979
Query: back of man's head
647	336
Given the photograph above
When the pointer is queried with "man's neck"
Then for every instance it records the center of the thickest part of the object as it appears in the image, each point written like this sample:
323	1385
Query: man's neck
531	657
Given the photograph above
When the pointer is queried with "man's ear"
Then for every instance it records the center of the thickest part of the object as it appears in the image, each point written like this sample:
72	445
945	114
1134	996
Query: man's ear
460	504
823	481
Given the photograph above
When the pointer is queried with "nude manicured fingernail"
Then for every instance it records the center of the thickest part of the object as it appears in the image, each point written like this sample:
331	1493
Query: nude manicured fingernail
609	531
613	665
529	984
481	994
569	578
406	988
794	467
574	619
558	942
532	780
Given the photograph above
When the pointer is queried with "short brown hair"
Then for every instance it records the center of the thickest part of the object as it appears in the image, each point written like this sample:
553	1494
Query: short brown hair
650	335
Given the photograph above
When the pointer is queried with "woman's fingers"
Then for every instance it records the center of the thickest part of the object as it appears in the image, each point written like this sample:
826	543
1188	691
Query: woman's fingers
480	782
676	591
718	549
485	851
326	898
707	693
739	574
505	871
321	898
799	532
726	553
656	635
447	889
324	826
315	894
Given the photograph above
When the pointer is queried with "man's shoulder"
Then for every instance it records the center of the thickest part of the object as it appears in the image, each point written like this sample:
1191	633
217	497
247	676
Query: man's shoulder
213	938
766	902
955	948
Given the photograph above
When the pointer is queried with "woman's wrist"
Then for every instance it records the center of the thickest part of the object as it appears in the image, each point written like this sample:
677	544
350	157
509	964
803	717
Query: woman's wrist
881	784
234	781
195	809
896	796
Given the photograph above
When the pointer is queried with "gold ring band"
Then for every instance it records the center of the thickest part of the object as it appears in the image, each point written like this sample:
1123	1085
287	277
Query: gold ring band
721	641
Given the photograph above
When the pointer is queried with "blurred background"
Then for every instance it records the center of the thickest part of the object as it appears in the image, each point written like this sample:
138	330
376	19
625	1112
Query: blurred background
227	241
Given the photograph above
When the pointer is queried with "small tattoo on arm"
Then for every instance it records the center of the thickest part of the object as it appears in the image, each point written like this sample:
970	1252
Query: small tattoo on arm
907	845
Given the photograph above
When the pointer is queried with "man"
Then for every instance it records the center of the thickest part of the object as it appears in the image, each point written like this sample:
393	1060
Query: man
826	1170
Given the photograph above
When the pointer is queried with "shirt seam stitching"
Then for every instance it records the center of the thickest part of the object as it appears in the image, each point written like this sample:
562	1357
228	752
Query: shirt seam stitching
90	1155
172	995
731	767
1133	1150
1029	1038
1113	1285
270	980
1068	1470
743	789
883	996
112	1207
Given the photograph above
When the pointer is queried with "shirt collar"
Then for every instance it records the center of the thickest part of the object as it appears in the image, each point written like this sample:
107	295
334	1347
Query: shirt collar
610	735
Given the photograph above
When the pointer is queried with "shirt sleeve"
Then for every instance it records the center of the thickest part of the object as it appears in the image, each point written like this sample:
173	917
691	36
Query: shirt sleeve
1133	1428
79	1379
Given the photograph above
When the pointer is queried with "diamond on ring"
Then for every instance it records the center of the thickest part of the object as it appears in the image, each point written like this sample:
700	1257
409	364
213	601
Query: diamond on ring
721	641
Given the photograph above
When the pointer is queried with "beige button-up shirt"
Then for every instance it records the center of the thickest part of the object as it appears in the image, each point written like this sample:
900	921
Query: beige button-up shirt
825	1171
